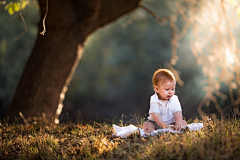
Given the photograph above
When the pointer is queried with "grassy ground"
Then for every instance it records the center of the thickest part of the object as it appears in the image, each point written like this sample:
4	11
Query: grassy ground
217	140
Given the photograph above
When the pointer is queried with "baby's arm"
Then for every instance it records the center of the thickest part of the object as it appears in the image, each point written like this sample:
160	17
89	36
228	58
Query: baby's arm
158	119
179	120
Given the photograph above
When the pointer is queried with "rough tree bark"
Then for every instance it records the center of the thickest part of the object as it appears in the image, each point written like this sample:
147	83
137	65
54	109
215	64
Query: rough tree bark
55	55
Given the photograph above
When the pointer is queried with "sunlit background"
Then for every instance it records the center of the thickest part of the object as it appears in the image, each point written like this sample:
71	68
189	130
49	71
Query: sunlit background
197	40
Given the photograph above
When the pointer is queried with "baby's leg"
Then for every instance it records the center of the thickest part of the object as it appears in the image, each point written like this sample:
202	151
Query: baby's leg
148	127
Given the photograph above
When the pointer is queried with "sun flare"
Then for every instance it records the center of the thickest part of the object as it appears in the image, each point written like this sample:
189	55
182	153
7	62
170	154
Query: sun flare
229	56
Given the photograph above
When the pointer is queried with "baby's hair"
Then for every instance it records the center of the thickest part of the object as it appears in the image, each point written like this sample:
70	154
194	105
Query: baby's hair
162	75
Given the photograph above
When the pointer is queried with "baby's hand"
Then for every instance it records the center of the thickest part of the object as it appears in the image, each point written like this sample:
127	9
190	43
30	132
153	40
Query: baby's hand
169	126
178	126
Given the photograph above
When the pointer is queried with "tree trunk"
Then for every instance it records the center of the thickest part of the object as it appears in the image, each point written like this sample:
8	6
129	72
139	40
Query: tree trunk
55	55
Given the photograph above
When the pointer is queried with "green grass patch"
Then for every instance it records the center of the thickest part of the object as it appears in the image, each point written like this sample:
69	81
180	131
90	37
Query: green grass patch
217	140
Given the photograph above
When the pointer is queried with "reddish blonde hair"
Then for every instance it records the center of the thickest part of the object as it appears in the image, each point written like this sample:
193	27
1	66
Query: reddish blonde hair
162	75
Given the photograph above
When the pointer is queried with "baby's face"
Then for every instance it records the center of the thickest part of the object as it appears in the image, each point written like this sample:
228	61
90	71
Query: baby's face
165	89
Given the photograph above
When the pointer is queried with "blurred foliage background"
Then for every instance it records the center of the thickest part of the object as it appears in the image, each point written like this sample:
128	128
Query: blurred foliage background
113	79
15	48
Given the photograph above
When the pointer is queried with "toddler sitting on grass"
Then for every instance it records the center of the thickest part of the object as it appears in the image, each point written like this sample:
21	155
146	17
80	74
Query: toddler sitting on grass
165	109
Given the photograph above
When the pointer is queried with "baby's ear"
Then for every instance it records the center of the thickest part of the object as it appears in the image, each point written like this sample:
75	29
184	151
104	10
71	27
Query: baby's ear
155	88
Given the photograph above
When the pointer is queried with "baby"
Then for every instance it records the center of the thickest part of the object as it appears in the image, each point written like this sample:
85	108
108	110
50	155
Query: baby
165	109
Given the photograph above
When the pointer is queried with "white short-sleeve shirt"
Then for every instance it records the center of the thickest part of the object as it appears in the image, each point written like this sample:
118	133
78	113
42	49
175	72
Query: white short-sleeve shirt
166	112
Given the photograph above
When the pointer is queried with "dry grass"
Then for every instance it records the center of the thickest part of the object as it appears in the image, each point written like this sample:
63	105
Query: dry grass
217	140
